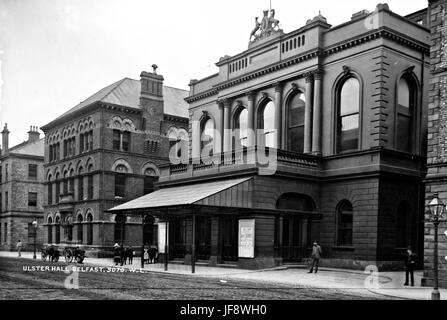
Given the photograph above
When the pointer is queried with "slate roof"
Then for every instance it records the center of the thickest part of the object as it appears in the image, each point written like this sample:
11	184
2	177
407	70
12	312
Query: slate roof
126	92
36	148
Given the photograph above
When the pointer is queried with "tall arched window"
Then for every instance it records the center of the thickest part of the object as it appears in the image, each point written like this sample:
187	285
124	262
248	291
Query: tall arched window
120	181
120	221
80	230
296	109
207	136
81	184
90	182
50	230
344	223
267	123
240	125
348	121
89	229
50	191
406	99
58	230
58	188
69	228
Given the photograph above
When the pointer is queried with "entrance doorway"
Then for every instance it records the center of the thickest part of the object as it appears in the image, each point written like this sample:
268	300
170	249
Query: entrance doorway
203	238
229	238
177	238
291	249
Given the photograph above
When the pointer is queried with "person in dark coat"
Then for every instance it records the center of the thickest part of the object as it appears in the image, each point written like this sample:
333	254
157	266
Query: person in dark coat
316	256
410	265
129	255
116	254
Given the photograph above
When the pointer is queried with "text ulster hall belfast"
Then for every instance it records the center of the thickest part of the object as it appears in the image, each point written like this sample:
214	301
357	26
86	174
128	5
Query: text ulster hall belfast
318	134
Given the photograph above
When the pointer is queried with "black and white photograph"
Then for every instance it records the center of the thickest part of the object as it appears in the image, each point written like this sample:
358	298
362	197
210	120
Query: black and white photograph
227	151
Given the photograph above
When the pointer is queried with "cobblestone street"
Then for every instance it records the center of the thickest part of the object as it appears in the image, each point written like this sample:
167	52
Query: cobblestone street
49	285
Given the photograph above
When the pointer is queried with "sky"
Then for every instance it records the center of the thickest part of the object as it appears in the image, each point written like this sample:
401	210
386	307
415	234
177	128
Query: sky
56	53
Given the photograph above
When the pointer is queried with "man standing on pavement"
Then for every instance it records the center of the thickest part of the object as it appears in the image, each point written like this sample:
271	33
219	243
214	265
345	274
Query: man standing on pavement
19	247
316	255
410	264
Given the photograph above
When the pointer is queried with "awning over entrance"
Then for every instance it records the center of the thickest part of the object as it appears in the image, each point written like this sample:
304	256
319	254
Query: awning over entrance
179	195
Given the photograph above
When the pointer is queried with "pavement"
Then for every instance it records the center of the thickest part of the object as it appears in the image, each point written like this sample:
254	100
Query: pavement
389	284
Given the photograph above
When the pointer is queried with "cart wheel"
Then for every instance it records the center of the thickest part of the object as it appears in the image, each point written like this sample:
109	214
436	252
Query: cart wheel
43	255
68	255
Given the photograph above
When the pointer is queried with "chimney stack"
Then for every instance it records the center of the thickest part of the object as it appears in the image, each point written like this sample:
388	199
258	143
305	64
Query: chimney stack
33	134
5	139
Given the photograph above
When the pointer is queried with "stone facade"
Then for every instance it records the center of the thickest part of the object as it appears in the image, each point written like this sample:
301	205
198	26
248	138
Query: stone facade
120	135
21	192
436	180
363	202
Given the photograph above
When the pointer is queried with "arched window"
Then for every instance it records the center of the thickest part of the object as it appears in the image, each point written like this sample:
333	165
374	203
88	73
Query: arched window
267	123
348	122
296	109
207	136
80	230
58	188
120	181
50	190
90	182
71	182
120	221
80	184
69	228
50	230
240	125
150	177
406	99
344	223
89	229
58	230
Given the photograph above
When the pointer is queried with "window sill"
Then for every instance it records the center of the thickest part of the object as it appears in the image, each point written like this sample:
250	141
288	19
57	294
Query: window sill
343	248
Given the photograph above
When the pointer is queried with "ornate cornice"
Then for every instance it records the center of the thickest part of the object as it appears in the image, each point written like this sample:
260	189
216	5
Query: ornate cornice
383	32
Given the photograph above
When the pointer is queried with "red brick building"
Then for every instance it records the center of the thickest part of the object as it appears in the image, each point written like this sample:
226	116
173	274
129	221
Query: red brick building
21	191
342	111
105	151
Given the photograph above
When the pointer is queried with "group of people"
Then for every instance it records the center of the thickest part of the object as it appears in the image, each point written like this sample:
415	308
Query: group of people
410	263
125	256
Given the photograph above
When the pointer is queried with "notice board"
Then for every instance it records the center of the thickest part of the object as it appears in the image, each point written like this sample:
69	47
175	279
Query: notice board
162	229
246	241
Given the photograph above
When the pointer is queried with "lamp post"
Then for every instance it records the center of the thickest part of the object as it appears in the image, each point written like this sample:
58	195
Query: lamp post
436	209
35	235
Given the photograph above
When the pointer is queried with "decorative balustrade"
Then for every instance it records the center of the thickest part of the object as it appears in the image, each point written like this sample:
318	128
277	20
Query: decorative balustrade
247	156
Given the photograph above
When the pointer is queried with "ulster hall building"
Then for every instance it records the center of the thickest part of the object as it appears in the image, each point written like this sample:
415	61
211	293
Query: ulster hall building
318	134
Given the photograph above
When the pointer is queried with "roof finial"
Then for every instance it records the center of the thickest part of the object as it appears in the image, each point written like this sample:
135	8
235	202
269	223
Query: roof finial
155	67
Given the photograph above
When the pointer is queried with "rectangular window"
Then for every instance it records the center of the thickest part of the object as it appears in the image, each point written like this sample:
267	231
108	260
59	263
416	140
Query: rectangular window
126	140
116	140
58	191
6	201
32	199
32	171
65	149
120	185
1	203
5	238
1	175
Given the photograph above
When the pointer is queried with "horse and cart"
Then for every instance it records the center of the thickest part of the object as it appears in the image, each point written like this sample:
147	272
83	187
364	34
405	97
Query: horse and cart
71	254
